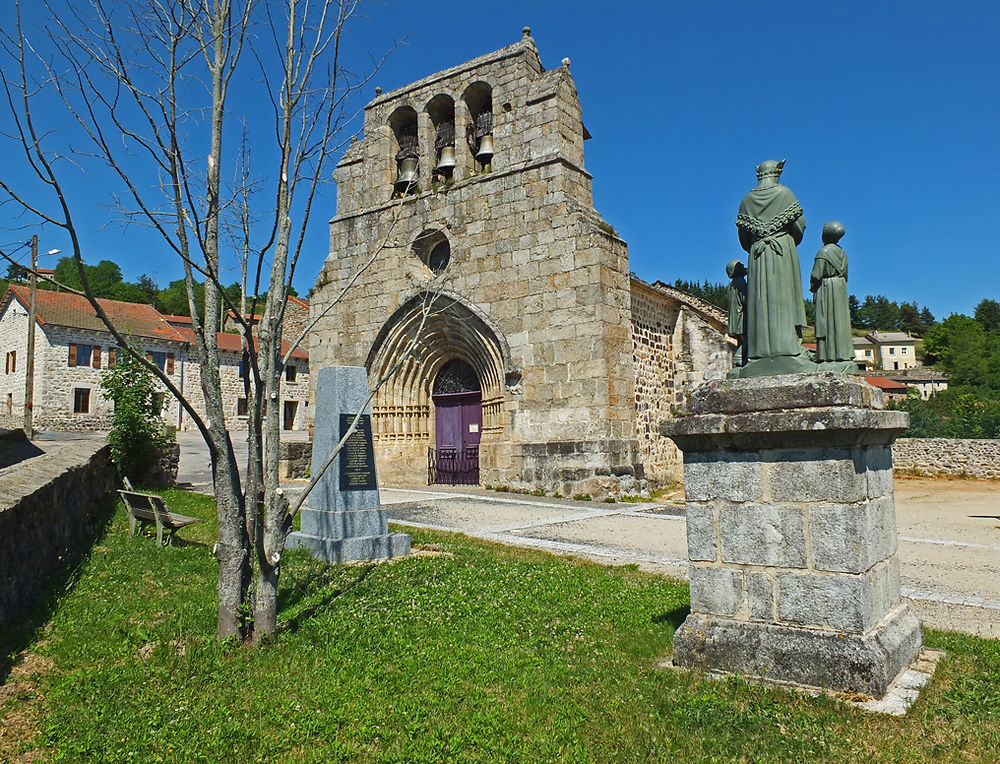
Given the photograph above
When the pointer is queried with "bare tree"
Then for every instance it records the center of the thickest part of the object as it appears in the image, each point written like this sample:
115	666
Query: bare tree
150	87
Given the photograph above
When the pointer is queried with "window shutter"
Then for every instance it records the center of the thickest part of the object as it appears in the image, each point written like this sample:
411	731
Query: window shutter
72	355
97	356
149	356
13	360
8	363
170	363
112	356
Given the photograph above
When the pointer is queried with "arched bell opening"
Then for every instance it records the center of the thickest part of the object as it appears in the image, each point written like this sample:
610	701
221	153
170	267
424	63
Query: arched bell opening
441	110
479	131
403	122
411	353
458	420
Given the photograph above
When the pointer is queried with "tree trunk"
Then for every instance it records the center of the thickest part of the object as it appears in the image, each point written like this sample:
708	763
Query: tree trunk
232	549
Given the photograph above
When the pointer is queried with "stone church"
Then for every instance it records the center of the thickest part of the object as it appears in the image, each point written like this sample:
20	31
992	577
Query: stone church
494	300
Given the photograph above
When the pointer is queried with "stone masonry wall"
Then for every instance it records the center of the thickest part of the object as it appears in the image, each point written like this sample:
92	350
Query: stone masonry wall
676	346
233	389
14	339
56	381
49	507
947	456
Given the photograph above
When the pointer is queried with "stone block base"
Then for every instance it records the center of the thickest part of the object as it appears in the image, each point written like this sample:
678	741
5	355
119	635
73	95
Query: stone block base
352	549
866	662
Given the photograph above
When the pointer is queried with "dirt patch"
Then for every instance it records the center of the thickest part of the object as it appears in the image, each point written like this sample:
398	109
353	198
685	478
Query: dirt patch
21	708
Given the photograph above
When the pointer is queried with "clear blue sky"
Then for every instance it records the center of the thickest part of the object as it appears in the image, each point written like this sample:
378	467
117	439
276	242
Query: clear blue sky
888	114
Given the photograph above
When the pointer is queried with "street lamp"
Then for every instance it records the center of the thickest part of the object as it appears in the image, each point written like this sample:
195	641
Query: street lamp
29	369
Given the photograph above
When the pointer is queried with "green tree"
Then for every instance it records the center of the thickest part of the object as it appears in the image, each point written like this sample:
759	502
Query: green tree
149	289
138	435
988	315
16	272
959	346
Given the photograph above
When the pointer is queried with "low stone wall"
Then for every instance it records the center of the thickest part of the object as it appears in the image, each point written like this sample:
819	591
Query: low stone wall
50	506
294	459
948	456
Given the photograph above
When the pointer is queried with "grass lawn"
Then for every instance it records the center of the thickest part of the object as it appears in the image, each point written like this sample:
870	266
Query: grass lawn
471	652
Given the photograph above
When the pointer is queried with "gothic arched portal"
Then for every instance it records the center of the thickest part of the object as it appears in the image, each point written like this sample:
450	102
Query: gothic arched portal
418	342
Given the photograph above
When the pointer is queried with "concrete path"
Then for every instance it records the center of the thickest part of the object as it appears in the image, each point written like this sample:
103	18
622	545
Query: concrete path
949	537
194	470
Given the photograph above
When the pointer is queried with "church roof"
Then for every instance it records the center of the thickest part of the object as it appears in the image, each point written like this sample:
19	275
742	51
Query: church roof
705	308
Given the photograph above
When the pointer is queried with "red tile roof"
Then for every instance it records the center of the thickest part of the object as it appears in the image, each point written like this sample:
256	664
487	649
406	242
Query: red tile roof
232	343
886	384
72	310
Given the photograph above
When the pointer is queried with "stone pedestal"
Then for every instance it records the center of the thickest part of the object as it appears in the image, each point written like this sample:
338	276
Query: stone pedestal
343	519
791	533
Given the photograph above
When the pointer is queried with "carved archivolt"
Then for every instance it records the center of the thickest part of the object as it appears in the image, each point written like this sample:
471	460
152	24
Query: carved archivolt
425	333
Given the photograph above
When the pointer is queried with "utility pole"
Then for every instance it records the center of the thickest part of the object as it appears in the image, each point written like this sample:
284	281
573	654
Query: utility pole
29	368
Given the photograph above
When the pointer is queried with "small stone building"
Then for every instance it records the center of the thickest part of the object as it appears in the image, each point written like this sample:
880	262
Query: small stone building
495	302
295	413
73	347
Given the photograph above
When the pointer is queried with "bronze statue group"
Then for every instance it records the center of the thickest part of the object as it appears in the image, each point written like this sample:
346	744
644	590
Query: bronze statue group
766	309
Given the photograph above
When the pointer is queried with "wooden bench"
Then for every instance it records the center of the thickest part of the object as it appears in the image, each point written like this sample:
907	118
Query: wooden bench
146	508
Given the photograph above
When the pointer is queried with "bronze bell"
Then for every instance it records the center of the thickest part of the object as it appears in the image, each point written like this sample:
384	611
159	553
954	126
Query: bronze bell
446	161
407	173
485	153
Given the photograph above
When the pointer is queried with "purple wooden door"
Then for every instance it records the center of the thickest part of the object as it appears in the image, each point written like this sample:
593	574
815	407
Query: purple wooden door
459	420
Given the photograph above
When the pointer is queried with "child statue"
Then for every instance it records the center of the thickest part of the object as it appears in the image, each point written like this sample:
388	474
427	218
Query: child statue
737	297
828	282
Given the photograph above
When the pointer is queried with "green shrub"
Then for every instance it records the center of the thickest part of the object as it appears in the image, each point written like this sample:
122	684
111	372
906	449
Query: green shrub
138	436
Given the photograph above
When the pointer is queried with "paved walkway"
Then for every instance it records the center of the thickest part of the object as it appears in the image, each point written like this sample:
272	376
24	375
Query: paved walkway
949	537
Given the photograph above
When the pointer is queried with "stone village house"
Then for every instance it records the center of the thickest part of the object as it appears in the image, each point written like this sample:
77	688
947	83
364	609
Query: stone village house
541	361
72	347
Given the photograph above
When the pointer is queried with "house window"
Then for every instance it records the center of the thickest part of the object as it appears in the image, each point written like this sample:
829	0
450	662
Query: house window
80	355
11	361
112	356
81	400
241	407
10	404
160	359
903	351
244	368
892	351
289	373
868	353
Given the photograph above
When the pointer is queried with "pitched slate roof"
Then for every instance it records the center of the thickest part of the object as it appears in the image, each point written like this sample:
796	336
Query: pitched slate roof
71	310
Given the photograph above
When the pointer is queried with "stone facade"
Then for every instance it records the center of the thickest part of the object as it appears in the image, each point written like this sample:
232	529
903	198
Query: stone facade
948	456
534	292
233	391
791	533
